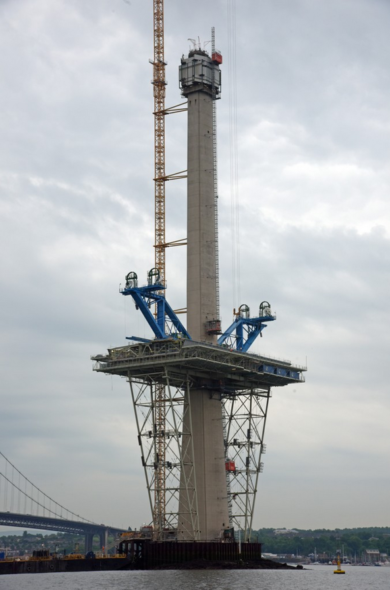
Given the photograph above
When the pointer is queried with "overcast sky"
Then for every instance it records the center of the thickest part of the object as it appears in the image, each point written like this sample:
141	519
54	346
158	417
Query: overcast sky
76	168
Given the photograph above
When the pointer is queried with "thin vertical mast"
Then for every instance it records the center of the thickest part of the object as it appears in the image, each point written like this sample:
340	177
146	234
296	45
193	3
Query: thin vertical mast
159	135
159	83
215	178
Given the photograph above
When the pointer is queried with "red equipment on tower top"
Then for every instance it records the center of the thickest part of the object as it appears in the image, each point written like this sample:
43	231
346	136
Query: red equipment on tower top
217	57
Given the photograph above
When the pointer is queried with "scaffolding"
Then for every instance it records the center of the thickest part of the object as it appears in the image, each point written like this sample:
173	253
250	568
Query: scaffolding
158	393
243	383
177	463
246	416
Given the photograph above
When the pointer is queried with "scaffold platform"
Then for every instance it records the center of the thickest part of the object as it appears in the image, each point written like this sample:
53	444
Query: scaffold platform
207	365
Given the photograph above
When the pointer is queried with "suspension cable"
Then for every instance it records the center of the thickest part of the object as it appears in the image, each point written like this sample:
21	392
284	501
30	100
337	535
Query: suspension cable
39	491
36	502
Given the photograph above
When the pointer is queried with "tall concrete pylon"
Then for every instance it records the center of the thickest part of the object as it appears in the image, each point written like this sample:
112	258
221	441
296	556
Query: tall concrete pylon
200	82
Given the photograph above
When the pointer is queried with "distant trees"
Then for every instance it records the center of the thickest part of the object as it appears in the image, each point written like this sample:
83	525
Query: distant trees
353	541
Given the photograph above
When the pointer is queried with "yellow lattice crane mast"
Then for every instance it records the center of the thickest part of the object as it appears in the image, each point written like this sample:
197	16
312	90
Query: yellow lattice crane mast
159	83
162	522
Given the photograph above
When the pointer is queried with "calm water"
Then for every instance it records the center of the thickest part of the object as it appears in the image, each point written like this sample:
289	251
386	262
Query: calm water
317	578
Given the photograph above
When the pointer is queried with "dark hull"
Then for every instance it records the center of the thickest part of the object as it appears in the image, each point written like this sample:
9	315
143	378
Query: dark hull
94	565
62	565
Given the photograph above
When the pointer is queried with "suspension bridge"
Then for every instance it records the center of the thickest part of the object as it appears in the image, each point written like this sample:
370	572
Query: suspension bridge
23	504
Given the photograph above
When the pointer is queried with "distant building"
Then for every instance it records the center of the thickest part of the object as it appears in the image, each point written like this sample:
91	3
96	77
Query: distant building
286	532
371	555
269	555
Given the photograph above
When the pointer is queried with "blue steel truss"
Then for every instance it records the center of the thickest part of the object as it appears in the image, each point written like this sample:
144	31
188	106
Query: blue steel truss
165	323
243	332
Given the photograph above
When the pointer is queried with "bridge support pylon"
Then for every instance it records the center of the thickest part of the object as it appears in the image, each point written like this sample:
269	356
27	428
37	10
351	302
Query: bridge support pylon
103	538
88	542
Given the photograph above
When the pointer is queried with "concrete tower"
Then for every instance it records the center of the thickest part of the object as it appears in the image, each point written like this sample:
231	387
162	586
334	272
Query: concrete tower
200	81
197	373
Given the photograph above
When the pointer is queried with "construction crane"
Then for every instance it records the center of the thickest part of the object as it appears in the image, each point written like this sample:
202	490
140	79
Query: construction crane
159	83
160	520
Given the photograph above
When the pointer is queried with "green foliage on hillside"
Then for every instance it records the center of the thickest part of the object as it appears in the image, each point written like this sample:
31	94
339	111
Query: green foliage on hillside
303	542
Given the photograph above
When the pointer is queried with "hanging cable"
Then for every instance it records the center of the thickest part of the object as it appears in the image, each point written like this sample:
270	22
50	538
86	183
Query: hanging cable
11	507
6	487
233	143
34	502
31	495
19	493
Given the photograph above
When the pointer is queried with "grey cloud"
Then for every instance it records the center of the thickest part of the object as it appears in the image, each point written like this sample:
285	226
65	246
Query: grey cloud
76	207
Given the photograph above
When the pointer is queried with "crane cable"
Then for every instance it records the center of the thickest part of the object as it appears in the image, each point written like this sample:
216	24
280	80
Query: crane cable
233	143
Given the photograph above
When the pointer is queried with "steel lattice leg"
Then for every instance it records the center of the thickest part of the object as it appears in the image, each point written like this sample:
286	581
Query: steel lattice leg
176	466
245	414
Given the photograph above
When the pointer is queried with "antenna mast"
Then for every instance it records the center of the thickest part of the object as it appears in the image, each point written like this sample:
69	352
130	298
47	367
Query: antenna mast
215	172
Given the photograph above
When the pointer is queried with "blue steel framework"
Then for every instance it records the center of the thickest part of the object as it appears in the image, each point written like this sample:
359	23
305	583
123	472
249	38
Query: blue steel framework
244	330
164	322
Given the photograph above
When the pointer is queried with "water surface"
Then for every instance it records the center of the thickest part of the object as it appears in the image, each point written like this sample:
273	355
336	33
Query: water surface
315	578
